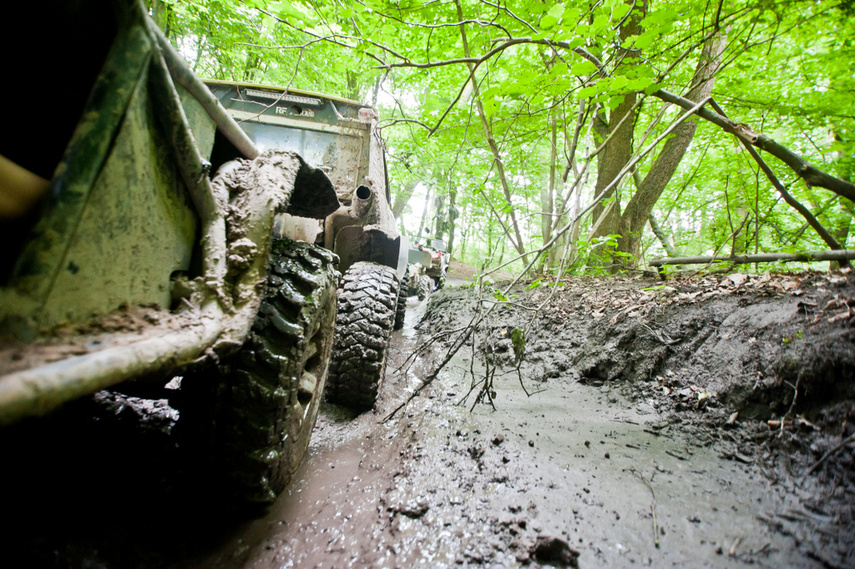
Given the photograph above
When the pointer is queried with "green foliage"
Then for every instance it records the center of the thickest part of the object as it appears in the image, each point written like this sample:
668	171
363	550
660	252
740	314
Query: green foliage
787	73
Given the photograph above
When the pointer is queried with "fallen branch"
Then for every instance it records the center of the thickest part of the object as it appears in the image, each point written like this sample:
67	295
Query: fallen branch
838	255
638	475
812	175
830	453
425	346
791	201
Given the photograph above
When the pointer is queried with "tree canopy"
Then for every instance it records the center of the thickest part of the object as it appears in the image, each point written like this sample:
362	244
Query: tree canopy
600	134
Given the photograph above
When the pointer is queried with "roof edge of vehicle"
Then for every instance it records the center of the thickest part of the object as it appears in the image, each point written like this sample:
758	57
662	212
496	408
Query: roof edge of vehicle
289	91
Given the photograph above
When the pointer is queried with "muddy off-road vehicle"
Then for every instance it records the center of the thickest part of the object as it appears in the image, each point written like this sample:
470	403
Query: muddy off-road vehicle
173	242
427	266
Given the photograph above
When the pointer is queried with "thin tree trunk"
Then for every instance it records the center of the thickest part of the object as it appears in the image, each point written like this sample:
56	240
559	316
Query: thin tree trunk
663	236
491	142
439	216
452	218
422	226
547	194
402	198
160	15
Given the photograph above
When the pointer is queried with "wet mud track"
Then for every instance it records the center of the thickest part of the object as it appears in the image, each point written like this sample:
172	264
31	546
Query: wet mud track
589	475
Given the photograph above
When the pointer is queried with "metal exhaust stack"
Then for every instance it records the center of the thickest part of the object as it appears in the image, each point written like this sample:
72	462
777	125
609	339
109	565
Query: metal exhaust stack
363	199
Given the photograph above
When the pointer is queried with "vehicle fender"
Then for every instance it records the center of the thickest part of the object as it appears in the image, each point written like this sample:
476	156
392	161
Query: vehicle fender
370	243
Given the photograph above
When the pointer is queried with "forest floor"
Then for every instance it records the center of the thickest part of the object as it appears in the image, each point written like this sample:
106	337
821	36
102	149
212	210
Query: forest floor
702	422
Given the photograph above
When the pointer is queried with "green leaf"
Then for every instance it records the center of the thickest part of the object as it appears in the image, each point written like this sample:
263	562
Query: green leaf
619	82
653	88
601	22
643	40
556	11
571	14
586	92
639	84
584	67
576	42
514	89
619	11
548	22
614	101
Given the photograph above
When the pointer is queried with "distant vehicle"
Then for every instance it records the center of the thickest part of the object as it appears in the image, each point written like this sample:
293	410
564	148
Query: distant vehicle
427	266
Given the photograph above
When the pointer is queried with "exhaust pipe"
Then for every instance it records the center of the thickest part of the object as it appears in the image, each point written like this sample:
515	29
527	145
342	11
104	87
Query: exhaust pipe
363	198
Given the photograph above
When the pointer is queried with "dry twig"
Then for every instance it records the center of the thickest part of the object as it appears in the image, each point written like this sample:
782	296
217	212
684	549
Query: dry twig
641	477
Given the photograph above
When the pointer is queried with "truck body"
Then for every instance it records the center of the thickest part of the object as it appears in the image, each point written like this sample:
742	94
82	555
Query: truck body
175	241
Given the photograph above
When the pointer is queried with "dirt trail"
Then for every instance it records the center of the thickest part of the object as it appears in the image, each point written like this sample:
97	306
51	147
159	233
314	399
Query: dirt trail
627	455
609	476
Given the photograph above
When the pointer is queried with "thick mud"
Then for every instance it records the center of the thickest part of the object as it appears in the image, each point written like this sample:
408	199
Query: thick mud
660	430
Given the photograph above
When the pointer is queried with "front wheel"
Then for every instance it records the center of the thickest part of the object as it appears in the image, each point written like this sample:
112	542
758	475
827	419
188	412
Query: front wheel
254	412
367	302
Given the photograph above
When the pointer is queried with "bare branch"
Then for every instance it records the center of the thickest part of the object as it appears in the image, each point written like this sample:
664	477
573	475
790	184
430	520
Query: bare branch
812	175
809	217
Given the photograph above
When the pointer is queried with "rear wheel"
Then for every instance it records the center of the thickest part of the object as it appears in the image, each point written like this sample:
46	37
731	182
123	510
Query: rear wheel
425	286
401	307
254	412
366	314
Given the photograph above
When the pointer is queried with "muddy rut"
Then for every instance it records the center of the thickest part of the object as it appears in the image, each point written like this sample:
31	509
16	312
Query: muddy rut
648	439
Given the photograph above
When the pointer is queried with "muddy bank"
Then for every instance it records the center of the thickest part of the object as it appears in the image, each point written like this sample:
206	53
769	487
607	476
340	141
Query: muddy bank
759	368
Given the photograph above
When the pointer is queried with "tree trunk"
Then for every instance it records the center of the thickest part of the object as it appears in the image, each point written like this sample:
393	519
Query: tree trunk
439	216
547	193
638	209
422	226
663	237
402	198
160	15
452	219
619	125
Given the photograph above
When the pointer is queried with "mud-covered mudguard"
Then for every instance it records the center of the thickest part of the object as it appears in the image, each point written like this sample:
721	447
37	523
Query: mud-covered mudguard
403	256
313	195
370	243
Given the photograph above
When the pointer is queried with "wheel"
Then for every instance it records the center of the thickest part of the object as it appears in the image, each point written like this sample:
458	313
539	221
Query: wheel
257	408
425	286
401	307
366	314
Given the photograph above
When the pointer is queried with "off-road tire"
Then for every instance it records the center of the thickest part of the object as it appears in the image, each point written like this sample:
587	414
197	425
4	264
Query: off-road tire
425	286
401	306
256	409
367	302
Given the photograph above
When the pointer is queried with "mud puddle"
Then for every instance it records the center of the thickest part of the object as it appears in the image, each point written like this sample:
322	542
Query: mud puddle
602	473
607	478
